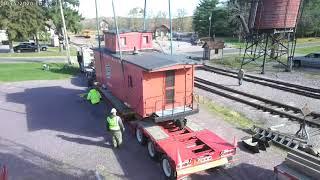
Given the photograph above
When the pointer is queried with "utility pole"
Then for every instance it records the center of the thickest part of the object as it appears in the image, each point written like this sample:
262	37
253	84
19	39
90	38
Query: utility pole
210	25
65	33
170	27
144	15
97	21
117	29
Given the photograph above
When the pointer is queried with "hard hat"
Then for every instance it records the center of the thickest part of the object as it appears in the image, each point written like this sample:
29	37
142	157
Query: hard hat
113	111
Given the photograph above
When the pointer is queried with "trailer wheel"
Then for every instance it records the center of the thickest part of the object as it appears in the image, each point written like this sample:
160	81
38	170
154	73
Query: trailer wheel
167	168
141	138
153	153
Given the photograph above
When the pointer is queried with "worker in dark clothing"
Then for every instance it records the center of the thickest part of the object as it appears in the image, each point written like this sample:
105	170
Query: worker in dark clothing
116	127
240	76
80	60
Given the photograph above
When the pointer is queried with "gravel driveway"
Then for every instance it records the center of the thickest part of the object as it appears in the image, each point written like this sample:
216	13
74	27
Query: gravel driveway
48	132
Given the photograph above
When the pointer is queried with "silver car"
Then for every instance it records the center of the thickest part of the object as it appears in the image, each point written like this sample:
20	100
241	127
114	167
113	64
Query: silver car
311	60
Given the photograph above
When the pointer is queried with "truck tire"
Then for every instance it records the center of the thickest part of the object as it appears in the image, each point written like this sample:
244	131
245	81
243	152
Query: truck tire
168	171
141	138
44	49
153	153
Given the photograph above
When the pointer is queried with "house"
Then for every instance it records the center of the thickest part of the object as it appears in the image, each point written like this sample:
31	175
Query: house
162	32
3	36
213	49
149	82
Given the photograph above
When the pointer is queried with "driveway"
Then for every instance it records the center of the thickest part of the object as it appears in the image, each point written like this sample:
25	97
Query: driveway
48	132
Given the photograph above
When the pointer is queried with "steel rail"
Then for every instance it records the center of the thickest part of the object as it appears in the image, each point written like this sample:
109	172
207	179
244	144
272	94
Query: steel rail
290	112
285	86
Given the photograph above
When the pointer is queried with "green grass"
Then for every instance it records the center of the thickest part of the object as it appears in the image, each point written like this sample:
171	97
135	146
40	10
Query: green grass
307	50
233	62
52	51
234	42
235	118
307	40
10	72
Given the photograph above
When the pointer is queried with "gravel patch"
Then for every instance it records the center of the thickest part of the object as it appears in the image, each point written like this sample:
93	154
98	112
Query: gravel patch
266	119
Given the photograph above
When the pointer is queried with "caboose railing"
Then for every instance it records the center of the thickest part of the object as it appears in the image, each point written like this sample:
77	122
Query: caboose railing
181	106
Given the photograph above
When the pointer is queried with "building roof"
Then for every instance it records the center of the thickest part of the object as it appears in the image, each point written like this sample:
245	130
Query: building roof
122	31
213	45
153	60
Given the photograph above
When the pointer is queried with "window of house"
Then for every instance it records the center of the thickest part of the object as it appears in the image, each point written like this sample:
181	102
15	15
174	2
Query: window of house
145	39
130	84
108	71
216	51
123	41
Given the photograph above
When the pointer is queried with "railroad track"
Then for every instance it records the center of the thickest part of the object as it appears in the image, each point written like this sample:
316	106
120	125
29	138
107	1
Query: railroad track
273	107
285	86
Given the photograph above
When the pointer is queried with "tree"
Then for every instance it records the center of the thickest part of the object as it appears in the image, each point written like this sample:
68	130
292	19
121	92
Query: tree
201	17
181	14
309	24
21	19
135	15
72	16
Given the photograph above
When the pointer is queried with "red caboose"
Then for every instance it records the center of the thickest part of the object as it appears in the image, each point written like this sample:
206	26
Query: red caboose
149	82
158	89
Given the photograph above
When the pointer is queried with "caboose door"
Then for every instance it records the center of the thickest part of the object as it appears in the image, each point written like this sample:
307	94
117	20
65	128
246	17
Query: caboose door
169	88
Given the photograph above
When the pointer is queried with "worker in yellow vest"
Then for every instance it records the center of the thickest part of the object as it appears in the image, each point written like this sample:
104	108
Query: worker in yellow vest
94	96
116	127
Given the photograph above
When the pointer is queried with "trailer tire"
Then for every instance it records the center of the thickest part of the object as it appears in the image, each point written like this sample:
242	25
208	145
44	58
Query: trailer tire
141	138
153	153
168	170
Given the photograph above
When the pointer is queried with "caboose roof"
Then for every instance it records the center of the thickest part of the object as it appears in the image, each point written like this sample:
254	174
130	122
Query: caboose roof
153	60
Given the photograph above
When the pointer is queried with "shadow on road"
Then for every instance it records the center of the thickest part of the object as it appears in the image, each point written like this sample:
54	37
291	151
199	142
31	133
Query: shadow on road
85	141
60	109
238	172
24	163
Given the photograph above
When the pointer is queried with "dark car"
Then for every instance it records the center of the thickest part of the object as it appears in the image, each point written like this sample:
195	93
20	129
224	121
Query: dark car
25	48
311	60
42	47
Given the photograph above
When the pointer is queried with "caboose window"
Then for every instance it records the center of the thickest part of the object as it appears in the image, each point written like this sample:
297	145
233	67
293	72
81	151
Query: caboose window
169	87
123	41
130	84
169	79
145	40
108	71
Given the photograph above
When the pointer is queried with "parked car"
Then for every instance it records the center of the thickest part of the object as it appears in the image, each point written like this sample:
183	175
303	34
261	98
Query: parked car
25	48
312	60
43	47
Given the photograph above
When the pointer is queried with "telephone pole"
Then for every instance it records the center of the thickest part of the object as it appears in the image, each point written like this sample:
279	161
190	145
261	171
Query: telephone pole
65	35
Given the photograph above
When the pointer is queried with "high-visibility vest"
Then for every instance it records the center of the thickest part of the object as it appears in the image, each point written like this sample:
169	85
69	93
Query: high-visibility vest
94	96
113	123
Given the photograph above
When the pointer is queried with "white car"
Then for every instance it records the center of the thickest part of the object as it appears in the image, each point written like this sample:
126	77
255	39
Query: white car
311	60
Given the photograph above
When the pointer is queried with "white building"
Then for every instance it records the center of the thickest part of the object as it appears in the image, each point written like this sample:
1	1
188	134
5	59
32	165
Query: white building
3	36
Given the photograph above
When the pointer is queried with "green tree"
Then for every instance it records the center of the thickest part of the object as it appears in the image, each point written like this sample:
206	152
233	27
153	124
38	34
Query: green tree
71	14
22	19
309	24
135	21
201	17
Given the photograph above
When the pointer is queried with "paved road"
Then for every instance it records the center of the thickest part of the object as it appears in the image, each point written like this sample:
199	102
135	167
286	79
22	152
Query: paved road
48	132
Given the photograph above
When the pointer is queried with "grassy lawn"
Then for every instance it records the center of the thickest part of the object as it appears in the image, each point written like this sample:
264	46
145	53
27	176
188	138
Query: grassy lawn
52	51
307	50
229	115
307	40
33	71
234	62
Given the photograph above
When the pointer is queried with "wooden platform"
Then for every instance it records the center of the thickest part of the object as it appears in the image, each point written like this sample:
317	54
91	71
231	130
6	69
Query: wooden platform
153	129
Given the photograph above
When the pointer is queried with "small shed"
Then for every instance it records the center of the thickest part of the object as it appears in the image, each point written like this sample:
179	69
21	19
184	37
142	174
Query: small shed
213	49
162	32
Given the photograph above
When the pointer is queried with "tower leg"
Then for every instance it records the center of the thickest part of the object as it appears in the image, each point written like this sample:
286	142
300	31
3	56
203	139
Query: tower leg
265	55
